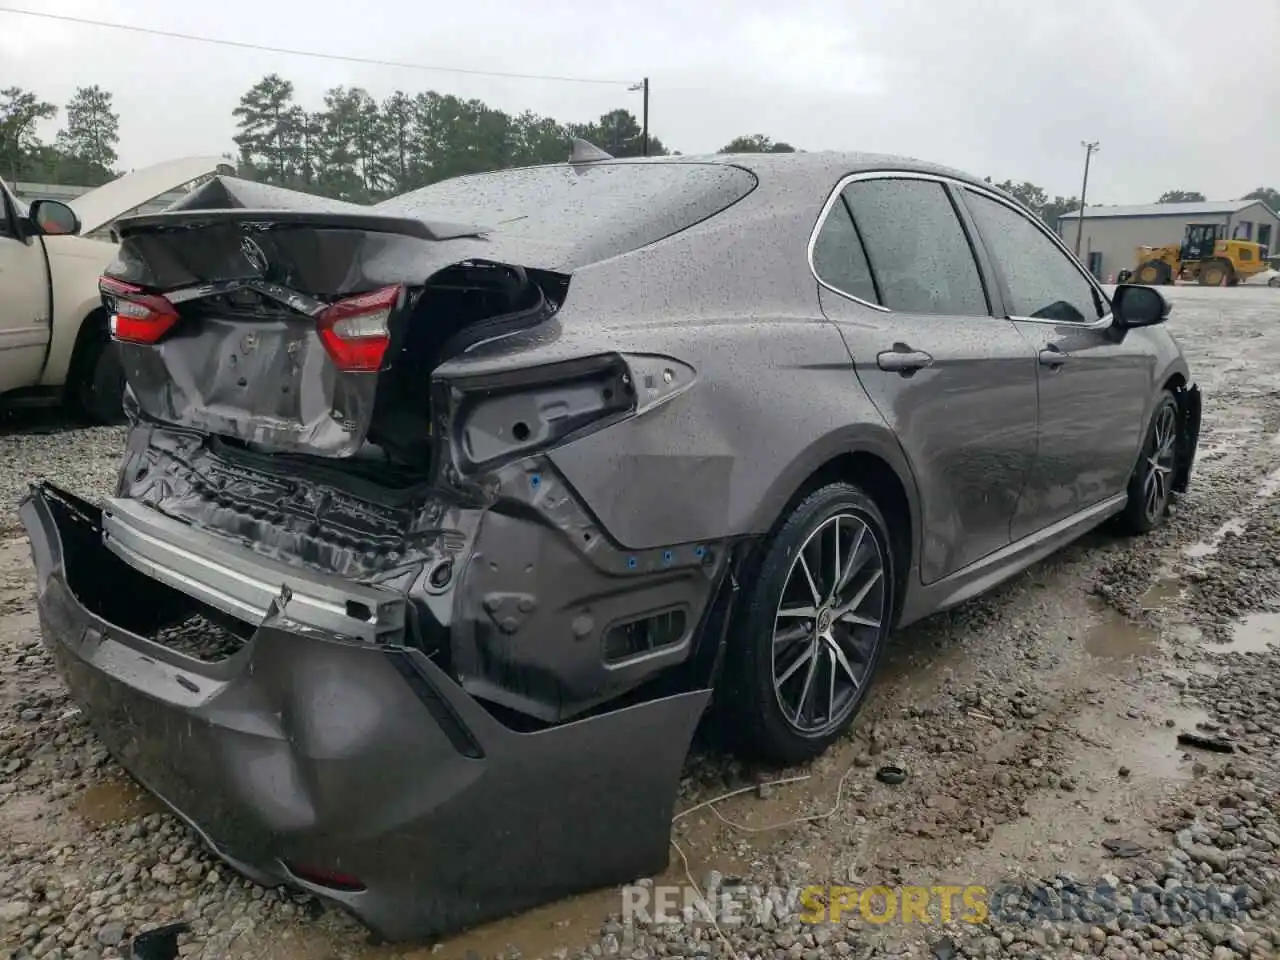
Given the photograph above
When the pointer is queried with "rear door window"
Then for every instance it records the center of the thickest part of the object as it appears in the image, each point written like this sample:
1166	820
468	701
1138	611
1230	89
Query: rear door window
838	257
1044	283
916	246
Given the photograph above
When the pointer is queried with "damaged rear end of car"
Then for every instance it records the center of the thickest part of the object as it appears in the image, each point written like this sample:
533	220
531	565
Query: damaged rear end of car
343	614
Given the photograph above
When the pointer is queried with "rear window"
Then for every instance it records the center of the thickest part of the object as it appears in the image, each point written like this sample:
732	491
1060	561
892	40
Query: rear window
601	209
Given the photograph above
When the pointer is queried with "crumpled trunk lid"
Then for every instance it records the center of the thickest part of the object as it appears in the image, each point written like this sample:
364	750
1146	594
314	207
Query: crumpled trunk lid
248	298
260	376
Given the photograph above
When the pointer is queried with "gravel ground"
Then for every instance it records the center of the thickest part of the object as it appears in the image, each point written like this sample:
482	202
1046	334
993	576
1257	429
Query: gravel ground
1039	727
41	445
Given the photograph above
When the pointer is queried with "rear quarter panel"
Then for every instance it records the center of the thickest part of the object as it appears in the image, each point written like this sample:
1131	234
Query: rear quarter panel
774	396
772	401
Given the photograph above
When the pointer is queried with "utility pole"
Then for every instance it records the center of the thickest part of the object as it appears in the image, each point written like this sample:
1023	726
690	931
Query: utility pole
643	86
1089	150
644	123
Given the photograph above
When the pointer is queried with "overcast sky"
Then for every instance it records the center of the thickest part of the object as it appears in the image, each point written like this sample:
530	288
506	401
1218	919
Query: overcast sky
1006	88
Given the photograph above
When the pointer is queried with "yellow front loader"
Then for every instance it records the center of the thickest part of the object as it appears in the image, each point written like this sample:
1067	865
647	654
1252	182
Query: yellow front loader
1203	256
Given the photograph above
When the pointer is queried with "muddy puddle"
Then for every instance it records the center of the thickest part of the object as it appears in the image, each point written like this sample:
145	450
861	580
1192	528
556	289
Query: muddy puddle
1146	748
1256	633
1116	643
1125	760
1209	546
1164	594
536	932
114	801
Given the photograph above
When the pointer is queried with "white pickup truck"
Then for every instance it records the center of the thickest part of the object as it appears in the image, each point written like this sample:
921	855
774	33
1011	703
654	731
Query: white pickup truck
54	345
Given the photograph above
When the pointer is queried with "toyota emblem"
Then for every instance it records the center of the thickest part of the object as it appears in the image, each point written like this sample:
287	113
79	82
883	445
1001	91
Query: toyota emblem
253	253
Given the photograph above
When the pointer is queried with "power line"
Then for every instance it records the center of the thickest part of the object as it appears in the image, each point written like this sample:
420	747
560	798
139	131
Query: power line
243	45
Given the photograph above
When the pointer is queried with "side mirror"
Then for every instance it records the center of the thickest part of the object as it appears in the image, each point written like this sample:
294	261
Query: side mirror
1134	305
54	218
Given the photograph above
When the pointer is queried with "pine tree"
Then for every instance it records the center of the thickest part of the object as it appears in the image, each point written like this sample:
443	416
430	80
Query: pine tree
90	137
20	147
269	136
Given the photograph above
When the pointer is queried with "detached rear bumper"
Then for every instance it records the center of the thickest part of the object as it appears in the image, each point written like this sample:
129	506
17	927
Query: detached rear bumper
308	753
1188	399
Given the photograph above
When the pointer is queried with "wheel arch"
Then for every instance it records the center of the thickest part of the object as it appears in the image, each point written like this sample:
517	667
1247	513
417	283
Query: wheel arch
94	321
1171	373
1174	381
871	460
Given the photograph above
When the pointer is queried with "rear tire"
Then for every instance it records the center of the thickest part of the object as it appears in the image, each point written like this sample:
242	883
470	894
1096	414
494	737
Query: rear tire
1151	485
1274	282
1214	272
100	381
813	629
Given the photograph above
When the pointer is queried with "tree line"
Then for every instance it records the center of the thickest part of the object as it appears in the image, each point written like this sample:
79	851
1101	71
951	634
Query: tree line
1268	195
352	147
84	151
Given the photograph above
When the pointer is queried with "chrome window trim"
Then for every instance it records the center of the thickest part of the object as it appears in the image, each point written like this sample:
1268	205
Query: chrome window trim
832	199
891	174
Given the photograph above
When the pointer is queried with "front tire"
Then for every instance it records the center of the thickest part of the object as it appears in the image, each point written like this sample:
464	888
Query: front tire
1155	273
1151	485
813	629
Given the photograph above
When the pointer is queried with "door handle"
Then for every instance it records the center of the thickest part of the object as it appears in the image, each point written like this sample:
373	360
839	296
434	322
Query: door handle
1052	357
905	362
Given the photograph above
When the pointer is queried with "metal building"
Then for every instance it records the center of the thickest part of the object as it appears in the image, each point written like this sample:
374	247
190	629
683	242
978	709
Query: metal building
1111	235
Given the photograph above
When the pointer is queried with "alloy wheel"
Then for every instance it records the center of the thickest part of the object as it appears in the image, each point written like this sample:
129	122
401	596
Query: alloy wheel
828	624
1160	464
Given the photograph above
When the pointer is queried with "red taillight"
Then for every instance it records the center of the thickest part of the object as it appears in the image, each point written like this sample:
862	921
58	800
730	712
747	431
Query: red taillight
333	879
136	317
356	331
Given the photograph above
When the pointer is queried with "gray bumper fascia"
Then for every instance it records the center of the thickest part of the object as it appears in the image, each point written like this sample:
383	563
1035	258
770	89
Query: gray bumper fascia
306	748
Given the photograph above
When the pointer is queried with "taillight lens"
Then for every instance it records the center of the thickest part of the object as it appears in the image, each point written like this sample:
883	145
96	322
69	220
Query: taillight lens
136	317
357	331
322	877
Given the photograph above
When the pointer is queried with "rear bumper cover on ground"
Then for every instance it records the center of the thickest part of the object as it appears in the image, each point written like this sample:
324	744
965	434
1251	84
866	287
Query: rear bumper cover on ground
307	751
1188	399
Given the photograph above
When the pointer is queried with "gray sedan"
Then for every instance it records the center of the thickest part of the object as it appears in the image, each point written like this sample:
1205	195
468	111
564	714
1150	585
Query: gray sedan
442	523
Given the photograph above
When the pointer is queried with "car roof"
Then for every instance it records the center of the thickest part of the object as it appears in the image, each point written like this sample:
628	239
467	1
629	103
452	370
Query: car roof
838	162
816	164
